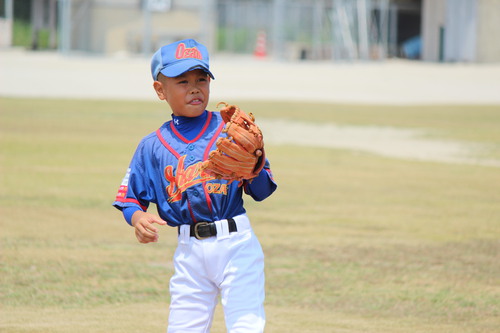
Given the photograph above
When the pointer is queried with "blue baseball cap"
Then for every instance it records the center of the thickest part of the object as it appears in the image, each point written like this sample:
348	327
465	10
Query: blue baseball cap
177	58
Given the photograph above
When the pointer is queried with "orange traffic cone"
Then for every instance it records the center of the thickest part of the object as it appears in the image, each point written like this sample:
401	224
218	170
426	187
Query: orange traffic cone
260	45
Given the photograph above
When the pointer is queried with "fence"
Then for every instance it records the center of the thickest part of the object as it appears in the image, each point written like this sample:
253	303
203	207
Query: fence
287	29
307	29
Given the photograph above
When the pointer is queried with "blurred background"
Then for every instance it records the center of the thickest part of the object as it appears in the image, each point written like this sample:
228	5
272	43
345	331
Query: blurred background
334	30
381	121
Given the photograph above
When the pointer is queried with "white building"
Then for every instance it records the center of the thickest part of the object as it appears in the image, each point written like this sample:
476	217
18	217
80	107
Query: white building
441	30
461	30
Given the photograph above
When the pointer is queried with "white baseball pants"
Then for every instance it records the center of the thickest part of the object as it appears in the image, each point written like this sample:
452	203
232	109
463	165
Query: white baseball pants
229	264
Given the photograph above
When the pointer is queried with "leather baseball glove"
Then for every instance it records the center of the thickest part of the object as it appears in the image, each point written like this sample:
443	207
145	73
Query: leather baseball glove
240	155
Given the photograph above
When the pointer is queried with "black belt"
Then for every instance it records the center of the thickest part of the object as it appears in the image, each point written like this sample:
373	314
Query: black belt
202	230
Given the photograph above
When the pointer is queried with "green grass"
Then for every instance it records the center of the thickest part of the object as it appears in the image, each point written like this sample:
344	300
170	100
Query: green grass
353	242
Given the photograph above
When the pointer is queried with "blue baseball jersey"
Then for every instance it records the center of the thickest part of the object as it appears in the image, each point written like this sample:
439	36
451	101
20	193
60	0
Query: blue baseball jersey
166	170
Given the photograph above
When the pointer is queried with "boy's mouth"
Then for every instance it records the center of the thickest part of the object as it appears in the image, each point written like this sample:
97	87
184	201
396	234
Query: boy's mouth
196	101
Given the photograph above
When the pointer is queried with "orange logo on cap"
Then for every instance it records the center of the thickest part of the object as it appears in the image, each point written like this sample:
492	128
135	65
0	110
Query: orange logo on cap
183	52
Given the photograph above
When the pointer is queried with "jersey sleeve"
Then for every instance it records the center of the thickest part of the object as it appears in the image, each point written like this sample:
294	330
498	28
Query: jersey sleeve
134	190
261	186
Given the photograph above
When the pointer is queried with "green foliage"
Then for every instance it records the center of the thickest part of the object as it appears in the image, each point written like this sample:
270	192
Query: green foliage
235	40
23	36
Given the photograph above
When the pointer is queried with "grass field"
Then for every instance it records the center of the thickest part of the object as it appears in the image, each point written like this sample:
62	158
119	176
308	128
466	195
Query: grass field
354	242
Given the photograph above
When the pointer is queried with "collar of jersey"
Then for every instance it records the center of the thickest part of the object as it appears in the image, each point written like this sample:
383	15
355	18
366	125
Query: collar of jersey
190	129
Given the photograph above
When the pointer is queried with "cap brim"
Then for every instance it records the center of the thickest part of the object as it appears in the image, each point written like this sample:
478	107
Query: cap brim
184	66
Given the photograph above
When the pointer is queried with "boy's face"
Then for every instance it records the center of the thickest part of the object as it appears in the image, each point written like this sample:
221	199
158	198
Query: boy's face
186	94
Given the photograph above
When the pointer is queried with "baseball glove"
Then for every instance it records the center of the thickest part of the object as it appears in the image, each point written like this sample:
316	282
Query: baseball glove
240	155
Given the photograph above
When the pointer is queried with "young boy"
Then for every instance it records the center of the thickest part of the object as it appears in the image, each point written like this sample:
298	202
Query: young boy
217	251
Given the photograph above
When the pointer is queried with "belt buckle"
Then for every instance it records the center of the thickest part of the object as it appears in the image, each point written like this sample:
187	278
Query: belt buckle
196	234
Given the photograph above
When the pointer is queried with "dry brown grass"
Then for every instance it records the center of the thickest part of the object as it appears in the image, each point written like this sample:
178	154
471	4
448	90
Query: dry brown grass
353	242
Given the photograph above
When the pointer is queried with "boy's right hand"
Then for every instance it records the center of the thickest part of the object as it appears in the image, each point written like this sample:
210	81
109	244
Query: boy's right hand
143	225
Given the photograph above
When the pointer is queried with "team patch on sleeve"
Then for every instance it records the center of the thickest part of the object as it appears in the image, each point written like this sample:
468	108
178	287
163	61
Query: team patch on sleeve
122	191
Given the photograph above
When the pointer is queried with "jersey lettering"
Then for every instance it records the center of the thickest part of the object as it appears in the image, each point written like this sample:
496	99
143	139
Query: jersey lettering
217	188
184	178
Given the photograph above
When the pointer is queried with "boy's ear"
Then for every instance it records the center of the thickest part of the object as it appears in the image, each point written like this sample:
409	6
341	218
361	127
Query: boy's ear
158	86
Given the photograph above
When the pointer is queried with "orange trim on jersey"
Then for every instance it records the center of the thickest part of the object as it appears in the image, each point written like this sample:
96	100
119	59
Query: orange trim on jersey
191	212
130	200
180	136
205	157
162	140
212	141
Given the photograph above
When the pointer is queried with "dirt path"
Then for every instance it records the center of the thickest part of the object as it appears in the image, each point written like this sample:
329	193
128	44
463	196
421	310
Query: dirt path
386	141
388	82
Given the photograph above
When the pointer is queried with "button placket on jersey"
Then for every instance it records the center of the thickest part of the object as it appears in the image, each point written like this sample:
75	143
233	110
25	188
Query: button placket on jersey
191	159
